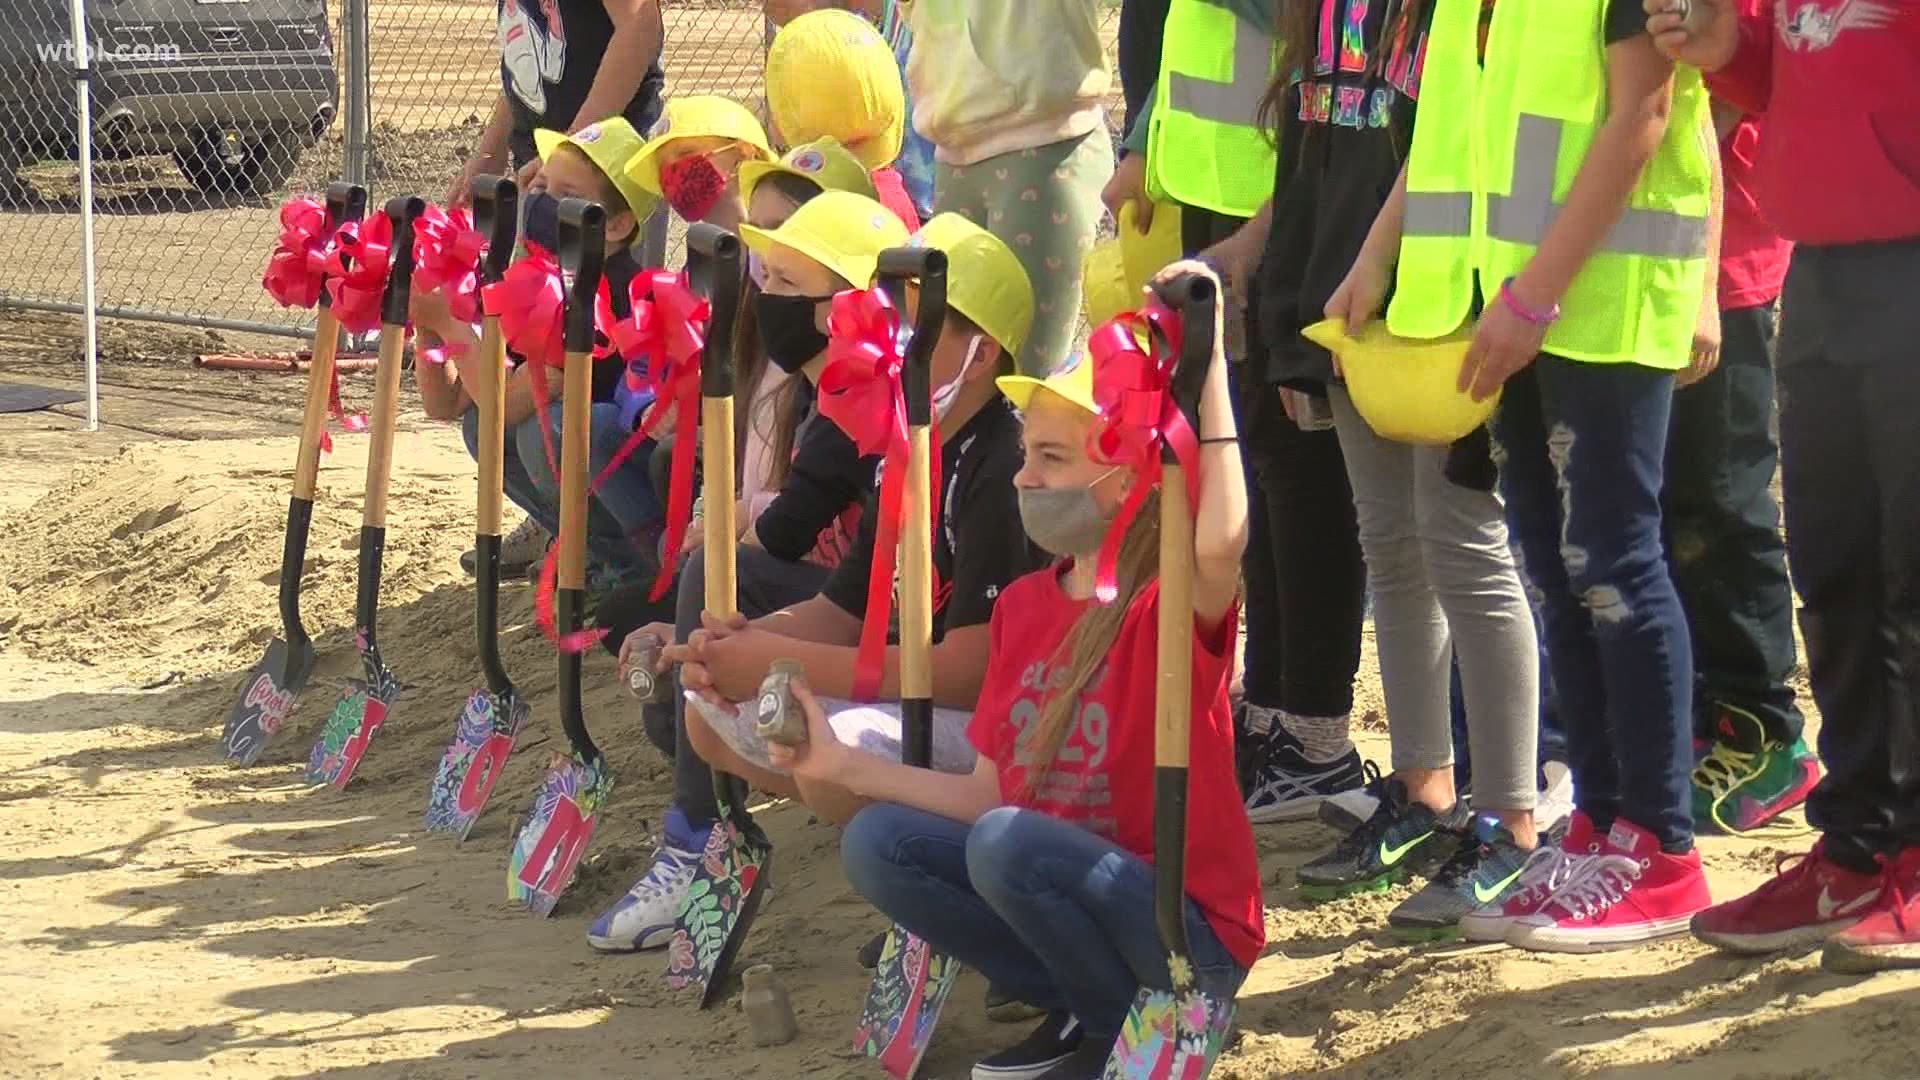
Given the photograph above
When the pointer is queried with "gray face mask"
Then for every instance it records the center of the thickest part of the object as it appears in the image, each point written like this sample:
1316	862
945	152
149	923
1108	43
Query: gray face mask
1064	521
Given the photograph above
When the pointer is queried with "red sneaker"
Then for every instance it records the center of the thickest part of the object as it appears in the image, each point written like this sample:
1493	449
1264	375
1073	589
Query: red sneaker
1547	870
1810	899
1632	893
1889	937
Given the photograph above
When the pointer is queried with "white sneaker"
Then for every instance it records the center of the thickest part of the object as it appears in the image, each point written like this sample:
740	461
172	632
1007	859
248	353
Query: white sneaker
644	918
1556	799
525	546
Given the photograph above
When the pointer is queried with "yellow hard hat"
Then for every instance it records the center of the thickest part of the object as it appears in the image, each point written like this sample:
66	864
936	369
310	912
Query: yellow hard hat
1406	389
840	230
985	281
830	73
1114	271
1072	383
692	117
610	144
823	161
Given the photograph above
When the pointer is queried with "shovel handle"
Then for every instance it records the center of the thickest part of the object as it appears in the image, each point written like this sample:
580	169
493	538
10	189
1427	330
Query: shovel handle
583	246
401	213
496	206
1197	300
714	267
344	202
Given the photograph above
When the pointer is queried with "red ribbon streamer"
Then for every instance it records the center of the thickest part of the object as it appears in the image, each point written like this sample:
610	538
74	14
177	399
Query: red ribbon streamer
446	259
861	392
296	269
356	268
1133	389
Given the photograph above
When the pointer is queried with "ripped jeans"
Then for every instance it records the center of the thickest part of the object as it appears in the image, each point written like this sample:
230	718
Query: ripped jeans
1581	449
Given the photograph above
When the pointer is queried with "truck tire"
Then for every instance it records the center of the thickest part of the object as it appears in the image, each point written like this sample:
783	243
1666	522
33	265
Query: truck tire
262	168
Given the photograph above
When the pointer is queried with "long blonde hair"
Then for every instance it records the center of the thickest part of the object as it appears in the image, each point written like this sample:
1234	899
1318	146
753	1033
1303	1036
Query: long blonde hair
1086	646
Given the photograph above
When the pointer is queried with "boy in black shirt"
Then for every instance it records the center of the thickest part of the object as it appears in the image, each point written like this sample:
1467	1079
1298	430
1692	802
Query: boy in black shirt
978	547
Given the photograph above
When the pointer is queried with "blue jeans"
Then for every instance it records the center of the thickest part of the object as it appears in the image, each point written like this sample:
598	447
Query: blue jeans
1046	910
621	517
1581	449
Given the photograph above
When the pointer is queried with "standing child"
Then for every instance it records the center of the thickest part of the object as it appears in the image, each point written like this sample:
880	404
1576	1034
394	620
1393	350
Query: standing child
1035	869
1844	186
1562	173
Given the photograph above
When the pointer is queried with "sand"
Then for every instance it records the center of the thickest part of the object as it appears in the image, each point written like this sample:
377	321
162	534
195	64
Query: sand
164	915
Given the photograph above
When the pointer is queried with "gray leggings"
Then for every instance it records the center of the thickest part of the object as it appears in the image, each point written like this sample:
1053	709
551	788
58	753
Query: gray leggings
1444	584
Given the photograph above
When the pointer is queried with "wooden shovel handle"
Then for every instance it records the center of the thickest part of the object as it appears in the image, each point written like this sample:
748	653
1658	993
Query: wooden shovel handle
576	417
490	405
716	497
386	402
326	345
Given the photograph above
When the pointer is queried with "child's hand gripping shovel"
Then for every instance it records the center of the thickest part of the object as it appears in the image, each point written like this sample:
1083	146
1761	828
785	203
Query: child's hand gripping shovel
363	705
911	982
268	693
484	732
1175	1034
730	881
566	807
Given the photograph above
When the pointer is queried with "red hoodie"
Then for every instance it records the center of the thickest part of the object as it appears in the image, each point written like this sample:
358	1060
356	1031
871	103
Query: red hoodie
1839	82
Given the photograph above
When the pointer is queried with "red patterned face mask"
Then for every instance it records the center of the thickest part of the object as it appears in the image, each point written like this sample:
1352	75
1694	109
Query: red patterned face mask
692	185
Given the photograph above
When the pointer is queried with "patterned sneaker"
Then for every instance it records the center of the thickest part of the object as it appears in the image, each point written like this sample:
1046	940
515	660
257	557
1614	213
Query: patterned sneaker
1810	899
1484	871
1282	785
525	546
1889	937
1632	893
1401	837
1744	781
644	918
1551	865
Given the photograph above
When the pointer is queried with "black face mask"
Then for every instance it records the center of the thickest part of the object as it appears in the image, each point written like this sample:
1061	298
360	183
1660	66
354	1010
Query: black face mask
787	329
542	222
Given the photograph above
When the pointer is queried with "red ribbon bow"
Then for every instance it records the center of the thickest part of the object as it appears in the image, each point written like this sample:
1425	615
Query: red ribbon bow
446	259
860	391
357	267
296	270
1133	389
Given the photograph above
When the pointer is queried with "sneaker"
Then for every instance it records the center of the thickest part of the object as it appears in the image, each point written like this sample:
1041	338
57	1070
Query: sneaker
1744	780
1889	937
1003	1007
1484	871
1632	893
1053	1042
1401	837
1811	898
1087	1063
525	546
644	918
1551	865
1555	804
1282	785
869	955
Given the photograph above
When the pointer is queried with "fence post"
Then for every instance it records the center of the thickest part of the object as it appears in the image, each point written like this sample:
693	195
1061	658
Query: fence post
83	102
359	65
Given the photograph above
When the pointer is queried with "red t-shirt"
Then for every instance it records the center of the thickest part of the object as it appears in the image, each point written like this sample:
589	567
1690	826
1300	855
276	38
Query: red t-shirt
1102	779
1753	256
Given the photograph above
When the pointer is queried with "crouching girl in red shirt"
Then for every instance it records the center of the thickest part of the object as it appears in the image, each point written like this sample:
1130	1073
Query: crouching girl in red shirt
1035	868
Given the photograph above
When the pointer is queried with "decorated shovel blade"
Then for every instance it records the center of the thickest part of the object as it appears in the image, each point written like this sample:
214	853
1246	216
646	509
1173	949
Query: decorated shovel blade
1170	1035
910	986
482	741
356	718
548	847
265	700
727	889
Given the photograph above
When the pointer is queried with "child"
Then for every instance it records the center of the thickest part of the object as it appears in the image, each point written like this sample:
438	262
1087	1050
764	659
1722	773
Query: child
625	513
1603	211
1035	868
831	75
1435	539
1728	558
974	554
1844	186
693	153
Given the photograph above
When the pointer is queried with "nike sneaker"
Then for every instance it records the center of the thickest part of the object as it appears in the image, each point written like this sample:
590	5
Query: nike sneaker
1632	893
1486	869
1282	785
1400	839
1810	899
1551	865
1889	937
1744	780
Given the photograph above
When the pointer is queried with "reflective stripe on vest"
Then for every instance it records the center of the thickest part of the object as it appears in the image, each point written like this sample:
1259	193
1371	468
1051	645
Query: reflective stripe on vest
1204	143
1522	217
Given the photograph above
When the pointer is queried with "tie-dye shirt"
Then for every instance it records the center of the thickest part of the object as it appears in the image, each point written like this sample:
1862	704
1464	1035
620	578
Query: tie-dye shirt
915	163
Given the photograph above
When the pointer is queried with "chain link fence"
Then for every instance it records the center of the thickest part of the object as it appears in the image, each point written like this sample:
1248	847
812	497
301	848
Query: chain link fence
208	113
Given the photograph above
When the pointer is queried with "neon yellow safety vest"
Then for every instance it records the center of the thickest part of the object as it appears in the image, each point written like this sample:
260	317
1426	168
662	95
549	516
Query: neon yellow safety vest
1204	143
1496	148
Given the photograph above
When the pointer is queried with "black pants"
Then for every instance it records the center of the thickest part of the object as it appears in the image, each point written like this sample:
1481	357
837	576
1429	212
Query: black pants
1723	532
1305	580
763	584
1849	369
